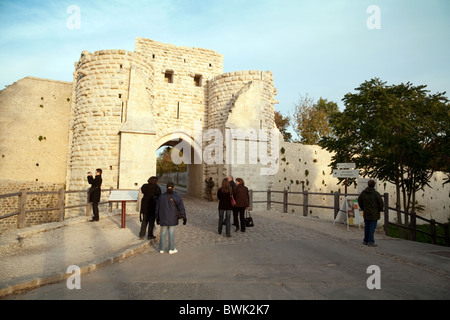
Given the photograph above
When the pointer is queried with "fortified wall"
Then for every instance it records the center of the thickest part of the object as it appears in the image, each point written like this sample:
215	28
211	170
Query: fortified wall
122	106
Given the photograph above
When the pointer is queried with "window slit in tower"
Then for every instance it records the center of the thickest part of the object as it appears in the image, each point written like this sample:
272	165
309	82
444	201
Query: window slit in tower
168	76
178	110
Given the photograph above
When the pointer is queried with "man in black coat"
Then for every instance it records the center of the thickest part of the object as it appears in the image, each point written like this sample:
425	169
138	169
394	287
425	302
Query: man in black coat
371	202
95	192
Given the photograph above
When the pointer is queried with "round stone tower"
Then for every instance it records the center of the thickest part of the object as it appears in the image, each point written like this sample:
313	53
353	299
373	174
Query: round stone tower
241	106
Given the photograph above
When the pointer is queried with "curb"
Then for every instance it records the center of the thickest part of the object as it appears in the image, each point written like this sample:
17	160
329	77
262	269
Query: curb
6	289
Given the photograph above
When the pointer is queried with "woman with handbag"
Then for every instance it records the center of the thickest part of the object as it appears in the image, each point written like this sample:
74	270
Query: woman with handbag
169	209
224	194
242	198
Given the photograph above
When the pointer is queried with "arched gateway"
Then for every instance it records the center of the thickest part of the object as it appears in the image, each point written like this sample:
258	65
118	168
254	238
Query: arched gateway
125	105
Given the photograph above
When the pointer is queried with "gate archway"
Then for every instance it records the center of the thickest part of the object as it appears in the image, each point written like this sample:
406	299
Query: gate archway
191	151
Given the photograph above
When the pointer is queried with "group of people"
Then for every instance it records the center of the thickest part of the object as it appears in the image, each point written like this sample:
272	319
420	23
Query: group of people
228	192
168	208
164	208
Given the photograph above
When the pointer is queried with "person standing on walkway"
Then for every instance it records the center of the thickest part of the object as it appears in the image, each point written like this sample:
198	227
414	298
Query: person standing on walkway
224	195
168	208
371	203
231	181
241	196
232	185
95	192
209	186
151	192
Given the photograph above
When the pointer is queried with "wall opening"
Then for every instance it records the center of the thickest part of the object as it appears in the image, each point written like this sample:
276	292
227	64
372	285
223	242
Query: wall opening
198	80
186	176
168	76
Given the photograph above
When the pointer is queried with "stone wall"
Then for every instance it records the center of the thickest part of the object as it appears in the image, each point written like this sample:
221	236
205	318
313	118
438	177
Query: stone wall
128	104
122	106
242	100
306	168
34	123
34	201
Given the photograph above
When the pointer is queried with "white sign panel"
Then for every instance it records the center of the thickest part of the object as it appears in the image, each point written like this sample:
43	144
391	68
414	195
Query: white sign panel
346	166
124	195
345	173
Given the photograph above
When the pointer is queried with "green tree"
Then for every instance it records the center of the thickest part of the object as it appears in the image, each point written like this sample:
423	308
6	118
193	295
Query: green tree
282	124
164	163
393	133
311	119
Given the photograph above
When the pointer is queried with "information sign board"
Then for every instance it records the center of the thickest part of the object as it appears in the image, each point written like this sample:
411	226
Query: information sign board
124	196
337	173
349	165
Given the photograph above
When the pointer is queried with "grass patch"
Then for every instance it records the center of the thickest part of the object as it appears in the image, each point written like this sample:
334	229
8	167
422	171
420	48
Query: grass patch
401	233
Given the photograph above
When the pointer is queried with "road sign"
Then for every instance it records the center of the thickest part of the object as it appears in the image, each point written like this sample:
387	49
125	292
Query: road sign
345	173
346	166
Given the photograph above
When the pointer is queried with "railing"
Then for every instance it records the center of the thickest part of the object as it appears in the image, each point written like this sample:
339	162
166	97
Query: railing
336	206
305	197
413	227
60	208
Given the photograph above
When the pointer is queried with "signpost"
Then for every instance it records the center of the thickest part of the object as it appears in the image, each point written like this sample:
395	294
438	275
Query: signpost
123	196
349	210
344	172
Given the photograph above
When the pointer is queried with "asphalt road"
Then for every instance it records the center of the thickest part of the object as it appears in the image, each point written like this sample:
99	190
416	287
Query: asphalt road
313	266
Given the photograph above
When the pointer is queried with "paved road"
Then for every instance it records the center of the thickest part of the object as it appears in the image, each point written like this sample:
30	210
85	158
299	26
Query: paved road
284	257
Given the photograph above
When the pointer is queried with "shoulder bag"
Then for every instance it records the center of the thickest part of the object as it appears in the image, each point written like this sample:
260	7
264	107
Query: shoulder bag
178	210
248	219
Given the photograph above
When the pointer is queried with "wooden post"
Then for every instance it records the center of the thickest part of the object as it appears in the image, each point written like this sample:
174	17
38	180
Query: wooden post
285	201
447	234
124	212
386	214
269	199
305	203
433	231
250	195
61	199
110	204
413	226
22	209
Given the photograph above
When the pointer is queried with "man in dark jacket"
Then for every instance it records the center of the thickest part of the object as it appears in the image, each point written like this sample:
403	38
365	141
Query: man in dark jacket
371	202
95	192
209	186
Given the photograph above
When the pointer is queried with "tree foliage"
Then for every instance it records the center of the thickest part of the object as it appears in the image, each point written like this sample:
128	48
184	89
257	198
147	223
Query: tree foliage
396	133
164	163
282	124
310	119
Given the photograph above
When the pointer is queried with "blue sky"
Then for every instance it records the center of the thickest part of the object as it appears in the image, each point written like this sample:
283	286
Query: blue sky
320	48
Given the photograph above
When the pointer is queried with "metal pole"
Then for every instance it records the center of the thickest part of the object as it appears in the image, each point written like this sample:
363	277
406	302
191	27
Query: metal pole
124	209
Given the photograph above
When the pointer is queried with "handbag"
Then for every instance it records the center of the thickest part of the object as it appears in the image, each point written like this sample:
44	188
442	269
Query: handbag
178	210
233	202
248	219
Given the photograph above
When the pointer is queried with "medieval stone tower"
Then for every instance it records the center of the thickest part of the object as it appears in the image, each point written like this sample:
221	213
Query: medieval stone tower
126	105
